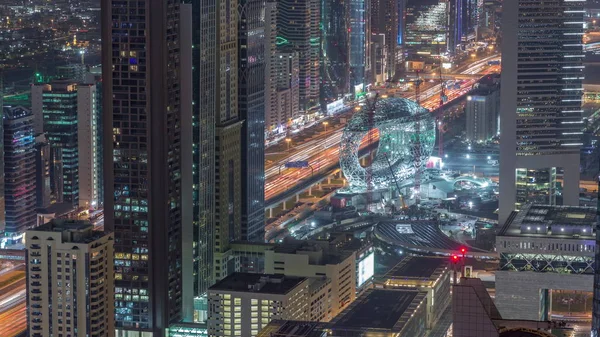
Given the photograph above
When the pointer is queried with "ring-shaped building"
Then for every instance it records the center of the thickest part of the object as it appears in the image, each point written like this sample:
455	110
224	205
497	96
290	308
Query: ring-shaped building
397	120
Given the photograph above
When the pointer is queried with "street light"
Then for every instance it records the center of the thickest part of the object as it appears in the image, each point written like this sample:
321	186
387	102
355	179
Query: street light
468	156
325	125
288	141
445	156
489	157
469	147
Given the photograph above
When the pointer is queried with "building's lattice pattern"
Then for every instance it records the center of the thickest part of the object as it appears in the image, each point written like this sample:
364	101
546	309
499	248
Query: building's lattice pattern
395	120
552	263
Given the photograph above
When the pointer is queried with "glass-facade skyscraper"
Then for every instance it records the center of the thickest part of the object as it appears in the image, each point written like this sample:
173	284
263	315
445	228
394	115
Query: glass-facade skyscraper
19	170
217	148
251	105
541	97
56	105
142	161
426	27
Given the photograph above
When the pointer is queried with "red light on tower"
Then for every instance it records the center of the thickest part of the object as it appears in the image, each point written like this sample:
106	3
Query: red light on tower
454	258
463	250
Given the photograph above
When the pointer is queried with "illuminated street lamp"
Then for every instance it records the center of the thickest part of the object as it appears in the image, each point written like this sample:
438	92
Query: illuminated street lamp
288	141
468	156
325	125
489	157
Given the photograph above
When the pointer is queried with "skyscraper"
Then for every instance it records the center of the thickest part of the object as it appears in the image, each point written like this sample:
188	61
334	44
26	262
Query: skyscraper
426	24
87	135
335	50
54	108
251	59
217	136
541	96
298	26
19	170
384	20
142	160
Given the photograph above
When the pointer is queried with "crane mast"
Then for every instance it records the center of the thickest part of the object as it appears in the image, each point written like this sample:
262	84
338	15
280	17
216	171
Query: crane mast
371	106
417	144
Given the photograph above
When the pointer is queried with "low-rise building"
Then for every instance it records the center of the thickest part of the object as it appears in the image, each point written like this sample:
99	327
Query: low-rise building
543	248
428	274
243	303
317	259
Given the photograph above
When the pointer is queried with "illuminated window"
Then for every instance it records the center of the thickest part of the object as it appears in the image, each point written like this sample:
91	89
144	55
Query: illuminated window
254	301
237	301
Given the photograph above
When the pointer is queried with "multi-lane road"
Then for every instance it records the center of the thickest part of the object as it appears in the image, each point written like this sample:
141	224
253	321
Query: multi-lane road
322	151
13	318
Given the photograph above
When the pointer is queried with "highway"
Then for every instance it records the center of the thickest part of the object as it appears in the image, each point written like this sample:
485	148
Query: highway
13	315
322	152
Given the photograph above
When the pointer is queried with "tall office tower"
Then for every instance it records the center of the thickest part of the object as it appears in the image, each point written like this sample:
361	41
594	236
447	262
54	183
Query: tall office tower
360	45
217	149
252	55
42	171
286	75
481	111
70	280
335	53
272	124
54	108
541	120
298	26
87	135
455	25
19	170
143	103
378	58
2	199
426	24
384	20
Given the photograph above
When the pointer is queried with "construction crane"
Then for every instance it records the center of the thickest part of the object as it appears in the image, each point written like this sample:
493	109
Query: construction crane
443	98
371	106
417	144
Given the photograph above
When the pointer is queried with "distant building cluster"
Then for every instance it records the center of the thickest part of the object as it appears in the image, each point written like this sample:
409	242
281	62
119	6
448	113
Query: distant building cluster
132	168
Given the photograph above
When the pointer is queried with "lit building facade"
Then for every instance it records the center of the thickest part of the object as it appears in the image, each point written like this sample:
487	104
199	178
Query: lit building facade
543	248
298	25
286	74
253	53
69	280
314	260
425	29
54	108
541	120
19	171
87	134
384	20
482	113
217	137
143	170
345	45
243	304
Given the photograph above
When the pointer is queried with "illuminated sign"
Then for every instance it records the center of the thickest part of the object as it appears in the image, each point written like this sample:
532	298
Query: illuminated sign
296	164
335	106
366	269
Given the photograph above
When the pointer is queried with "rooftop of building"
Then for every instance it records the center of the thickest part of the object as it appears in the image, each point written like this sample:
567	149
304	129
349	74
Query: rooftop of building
380	309
258	283
73	231
545	221
422	267
15	111
325	252
280	328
